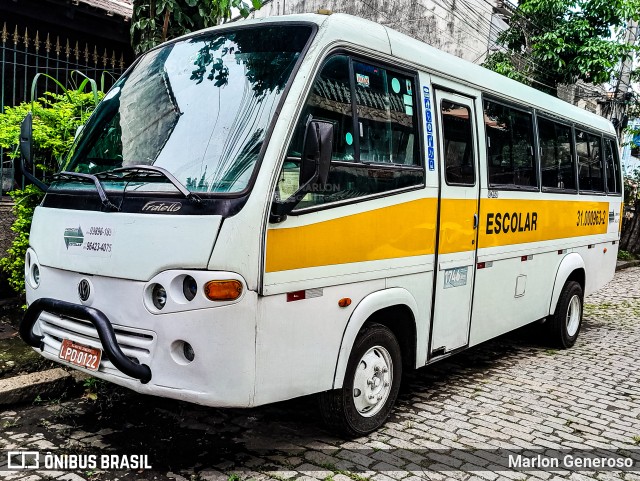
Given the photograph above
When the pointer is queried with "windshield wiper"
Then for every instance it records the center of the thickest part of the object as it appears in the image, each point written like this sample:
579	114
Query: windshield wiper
153	171
106	203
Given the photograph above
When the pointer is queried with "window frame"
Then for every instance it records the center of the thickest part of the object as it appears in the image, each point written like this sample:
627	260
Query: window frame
474	141
410	73
616	161
574	155
522	108
595	133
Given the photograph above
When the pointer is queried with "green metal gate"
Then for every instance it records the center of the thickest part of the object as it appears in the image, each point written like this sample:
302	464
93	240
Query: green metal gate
23	54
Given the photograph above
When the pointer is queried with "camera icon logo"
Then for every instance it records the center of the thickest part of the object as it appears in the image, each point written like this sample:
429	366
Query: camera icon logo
23	460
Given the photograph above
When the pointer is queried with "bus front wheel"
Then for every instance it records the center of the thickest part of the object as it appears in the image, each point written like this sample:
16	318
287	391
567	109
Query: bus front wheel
370	387
567	318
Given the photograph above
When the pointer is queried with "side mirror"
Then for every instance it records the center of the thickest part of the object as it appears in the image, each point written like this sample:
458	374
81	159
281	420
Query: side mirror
26	154
314	166
26	130
316	153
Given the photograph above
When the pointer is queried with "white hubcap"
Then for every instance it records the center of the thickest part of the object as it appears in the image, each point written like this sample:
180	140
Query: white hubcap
372	382
573	316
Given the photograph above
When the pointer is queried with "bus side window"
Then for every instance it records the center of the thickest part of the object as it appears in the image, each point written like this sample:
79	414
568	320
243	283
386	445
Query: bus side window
590	165
510	146
556	155
376	153
459	162
386	124
613	167
330	99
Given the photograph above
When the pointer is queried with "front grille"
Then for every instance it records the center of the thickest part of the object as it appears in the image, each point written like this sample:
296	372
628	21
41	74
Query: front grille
136	344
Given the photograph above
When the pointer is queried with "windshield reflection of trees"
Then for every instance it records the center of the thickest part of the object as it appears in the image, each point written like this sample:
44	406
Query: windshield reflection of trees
268	56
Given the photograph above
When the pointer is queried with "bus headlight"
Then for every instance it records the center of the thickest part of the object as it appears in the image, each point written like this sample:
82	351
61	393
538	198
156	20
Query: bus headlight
35	276
189	288
159	296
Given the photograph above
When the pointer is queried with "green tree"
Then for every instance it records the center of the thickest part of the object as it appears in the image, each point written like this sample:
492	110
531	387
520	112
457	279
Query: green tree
56	118
551	42
155	21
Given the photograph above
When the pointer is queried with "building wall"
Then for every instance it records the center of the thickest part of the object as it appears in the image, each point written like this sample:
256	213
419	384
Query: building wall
630	163
465	28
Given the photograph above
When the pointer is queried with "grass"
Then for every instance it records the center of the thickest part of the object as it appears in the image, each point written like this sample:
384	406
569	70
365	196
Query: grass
9	424
626	256
636	439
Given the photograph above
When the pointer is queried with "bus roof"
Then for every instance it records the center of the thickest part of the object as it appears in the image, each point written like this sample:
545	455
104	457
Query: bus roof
356	30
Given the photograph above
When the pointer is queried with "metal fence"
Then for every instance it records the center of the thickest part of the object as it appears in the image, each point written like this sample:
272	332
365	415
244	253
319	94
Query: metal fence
24	54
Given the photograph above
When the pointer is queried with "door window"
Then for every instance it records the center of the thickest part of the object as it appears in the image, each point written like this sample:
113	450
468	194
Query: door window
458	144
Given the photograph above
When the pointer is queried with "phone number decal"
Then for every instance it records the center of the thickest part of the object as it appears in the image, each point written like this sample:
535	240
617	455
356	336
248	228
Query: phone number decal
97	246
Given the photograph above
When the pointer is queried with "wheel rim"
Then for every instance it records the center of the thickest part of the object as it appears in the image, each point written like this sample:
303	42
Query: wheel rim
372	381
573	316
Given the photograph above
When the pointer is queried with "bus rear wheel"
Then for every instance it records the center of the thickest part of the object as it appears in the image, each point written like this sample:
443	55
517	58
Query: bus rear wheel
567	319
371	384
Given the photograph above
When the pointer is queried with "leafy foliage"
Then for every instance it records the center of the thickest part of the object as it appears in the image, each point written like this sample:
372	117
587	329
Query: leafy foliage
155	21
13	264
551	42
56	118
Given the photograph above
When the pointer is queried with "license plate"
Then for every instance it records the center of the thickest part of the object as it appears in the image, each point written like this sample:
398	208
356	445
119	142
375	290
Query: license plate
83	356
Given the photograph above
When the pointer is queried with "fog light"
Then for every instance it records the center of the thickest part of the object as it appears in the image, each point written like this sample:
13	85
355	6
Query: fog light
223	290
159	296
187	350
189	288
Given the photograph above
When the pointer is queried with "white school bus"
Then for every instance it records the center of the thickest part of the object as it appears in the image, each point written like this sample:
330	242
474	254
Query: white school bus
314	204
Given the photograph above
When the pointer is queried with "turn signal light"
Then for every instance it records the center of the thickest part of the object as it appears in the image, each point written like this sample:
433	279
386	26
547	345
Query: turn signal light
344	302
223	290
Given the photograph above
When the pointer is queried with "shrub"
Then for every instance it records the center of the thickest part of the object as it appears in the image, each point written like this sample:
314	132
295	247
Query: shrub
56	118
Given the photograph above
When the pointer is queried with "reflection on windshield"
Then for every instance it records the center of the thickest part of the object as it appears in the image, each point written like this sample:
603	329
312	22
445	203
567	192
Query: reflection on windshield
199	108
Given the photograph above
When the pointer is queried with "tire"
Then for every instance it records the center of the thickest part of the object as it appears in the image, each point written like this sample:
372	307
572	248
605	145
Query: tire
374	369
567	319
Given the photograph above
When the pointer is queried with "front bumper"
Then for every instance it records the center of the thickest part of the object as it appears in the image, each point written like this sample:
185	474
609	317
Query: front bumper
101	323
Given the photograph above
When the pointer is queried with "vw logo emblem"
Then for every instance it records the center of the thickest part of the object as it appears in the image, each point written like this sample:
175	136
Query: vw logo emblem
84	290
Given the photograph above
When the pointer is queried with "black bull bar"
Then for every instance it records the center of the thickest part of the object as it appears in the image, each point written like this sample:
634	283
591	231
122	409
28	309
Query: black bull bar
99	320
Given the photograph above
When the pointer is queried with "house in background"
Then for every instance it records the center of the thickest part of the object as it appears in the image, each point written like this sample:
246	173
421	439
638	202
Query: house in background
58	36
631	151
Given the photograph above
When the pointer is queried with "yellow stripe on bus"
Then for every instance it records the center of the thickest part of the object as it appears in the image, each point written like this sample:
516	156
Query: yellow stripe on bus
408	229
402	230
456	225
508	221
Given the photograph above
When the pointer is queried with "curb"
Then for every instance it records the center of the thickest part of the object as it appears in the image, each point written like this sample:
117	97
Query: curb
626	264
26	387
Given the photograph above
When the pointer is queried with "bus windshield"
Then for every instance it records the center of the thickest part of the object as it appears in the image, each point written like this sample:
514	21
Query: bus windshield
199	108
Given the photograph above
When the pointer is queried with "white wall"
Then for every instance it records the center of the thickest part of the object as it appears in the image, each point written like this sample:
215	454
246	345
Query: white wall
465	28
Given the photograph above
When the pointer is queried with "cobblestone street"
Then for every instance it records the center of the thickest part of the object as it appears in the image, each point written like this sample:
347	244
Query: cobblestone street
458	419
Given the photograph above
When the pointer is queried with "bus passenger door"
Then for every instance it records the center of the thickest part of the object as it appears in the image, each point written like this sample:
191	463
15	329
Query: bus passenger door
457	223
